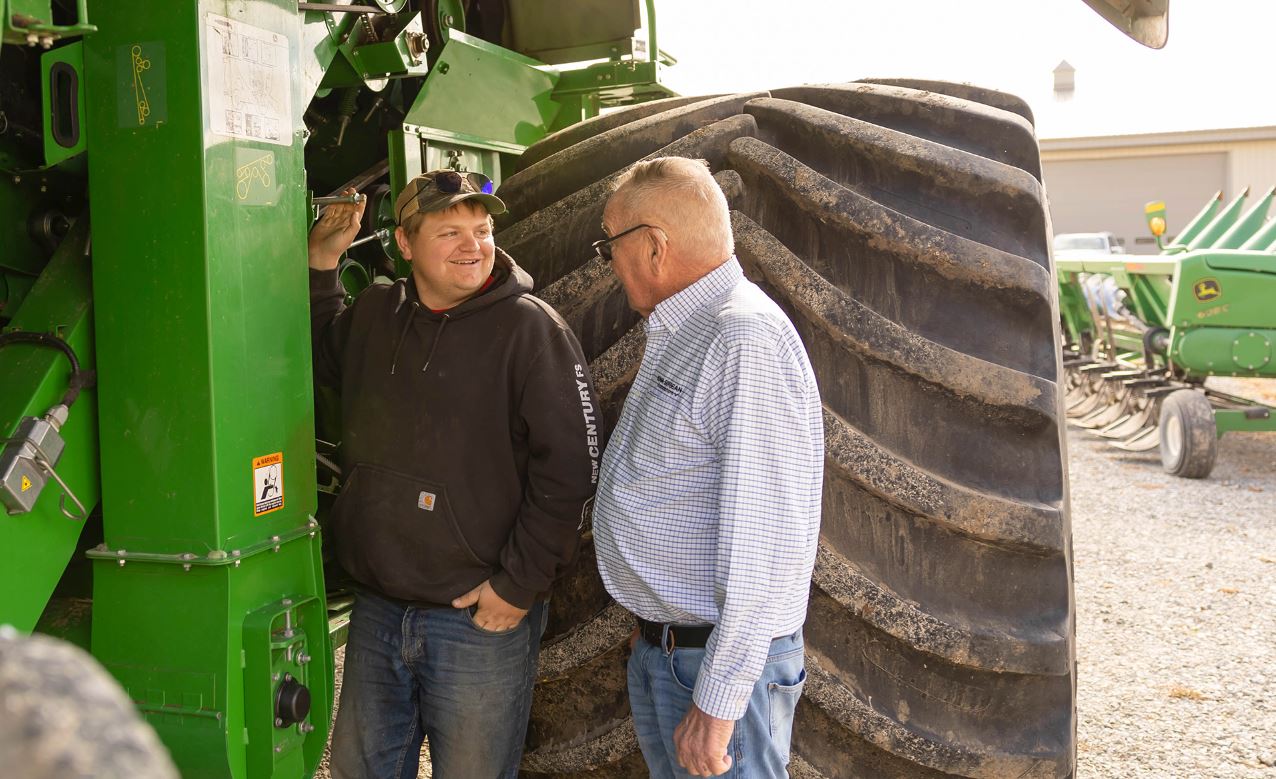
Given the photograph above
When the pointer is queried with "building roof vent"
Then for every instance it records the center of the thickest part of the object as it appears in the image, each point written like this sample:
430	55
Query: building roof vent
1065	81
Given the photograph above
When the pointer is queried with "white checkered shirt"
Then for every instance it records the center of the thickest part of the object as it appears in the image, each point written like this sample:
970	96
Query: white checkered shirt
708	506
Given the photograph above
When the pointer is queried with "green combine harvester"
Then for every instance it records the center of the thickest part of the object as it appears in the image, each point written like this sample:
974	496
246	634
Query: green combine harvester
1142	335
167	466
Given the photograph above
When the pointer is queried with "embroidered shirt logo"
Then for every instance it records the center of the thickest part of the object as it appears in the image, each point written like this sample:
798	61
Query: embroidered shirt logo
425	501
668	386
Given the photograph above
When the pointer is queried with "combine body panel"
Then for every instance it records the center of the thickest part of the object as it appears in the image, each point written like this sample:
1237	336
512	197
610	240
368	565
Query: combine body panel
163	164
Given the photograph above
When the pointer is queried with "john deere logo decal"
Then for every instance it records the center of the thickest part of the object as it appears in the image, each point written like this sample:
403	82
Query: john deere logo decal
1206	289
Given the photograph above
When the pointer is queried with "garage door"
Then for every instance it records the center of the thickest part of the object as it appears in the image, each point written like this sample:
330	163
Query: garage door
1094	195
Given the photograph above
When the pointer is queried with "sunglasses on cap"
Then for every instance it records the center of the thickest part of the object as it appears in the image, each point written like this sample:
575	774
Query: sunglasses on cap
450	182
603	247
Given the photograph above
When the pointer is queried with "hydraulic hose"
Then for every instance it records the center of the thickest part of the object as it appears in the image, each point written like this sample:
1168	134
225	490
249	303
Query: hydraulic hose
80	379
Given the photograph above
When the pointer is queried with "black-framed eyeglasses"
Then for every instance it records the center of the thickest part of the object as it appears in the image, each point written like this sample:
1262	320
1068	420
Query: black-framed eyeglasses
603	247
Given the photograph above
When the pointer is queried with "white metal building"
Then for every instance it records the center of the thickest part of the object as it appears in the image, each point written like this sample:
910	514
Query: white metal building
1102	183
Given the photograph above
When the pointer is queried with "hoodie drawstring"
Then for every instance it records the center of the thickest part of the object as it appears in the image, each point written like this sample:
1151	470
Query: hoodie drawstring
437	337
394	361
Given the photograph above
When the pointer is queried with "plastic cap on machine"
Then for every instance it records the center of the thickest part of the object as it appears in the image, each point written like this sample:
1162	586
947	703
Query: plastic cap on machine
438	190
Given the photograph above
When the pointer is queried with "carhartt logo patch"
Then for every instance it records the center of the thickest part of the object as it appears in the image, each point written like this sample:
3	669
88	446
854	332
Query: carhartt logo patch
425	501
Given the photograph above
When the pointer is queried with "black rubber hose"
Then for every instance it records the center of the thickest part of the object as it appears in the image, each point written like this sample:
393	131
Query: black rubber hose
80	379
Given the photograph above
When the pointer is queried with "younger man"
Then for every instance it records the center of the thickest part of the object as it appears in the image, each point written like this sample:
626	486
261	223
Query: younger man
466	471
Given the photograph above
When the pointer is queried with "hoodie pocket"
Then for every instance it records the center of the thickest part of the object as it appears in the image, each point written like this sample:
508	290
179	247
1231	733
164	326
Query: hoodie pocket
397	533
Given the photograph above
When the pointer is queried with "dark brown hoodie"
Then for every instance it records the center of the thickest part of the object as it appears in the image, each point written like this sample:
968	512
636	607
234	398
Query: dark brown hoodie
470	440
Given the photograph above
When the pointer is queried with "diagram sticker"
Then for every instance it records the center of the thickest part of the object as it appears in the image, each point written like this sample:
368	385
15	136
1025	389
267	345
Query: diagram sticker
255	177
141	96
248	82
268	483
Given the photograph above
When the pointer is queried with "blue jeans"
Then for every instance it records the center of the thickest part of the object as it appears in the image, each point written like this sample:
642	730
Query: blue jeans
660	687
412	673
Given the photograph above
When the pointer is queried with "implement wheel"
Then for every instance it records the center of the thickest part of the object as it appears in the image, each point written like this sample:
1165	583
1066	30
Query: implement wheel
903	229
1189	436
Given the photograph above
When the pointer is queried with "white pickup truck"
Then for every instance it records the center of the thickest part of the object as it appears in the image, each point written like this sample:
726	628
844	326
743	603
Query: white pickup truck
1085	245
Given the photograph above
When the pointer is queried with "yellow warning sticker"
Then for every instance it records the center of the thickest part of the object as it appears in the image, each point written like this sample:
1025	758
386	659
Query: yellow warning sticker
268	483
26	483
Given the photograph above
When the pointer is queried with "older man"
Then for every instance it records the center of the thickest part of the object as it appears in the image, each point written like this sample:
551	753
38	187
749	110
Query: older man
708	506
468	471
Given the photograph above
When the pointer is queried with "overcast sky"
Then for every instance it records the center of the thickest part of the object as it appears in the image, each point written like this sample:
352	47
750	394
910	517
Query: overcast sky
1215	72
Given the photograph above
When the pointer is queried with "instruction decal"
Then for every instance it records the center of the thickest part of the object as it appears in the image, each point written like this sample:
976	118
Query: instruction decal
248	82
26	482
1206	289
268	483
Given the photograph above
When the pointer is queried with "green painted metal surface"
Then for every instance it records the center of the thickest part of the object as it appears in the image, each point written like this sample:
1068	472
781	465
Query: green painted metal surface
1225	350
196	651
34	379
1220	224
1247	225
482	93
1245	421
1206	294
1197	223
1262	240
215	246
206	393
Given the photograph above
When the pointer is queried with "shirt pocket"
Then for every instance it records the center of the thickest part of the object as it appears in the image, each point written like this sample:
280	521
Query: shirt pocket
667	439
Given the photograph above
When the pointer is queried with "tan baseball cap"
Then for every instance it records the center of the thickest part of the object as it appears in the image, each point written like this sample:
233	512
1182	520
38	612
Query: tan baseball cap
438	190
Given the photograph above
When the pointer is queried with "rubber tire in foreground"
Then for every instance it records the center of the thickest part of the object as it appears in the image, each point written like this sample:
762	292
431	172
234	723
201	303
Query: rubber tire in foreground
904	232
64	717
1189	435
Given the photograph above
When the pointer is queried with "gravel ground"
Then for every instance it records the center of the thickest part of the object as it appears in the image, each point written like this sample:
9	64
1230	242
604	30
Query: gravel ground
1176	612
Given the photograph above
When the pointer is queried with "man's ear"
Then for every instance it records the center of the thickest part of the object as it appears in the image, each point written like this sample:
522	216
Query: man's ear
401	238
657	250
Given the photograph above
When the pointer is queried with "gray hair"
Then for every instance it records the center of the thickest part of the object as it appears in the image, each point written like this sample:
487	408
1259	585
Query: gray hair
682	193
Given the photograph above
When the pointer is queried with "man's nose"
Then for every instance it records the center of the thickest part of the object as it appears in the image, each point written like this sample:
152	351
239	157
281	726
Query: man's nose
471	243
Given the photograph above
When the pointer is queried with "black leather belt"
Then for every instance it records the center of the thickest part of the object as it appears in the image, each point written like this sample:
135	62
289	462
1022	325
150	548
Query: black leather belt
678	636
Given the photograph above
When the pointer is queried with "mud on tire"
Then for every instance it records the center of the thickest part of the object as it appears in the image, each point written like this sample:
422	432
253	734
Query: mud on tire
903	228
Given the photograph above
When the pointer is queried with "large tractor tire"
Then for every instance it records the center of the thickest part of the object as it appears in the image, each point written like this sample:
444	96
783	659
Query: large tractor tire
904	231
62	716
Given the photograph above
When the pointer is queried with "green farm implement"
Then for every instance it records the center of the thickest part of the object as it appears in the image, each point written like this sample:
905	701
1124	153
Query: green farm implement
1143	335
167	465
